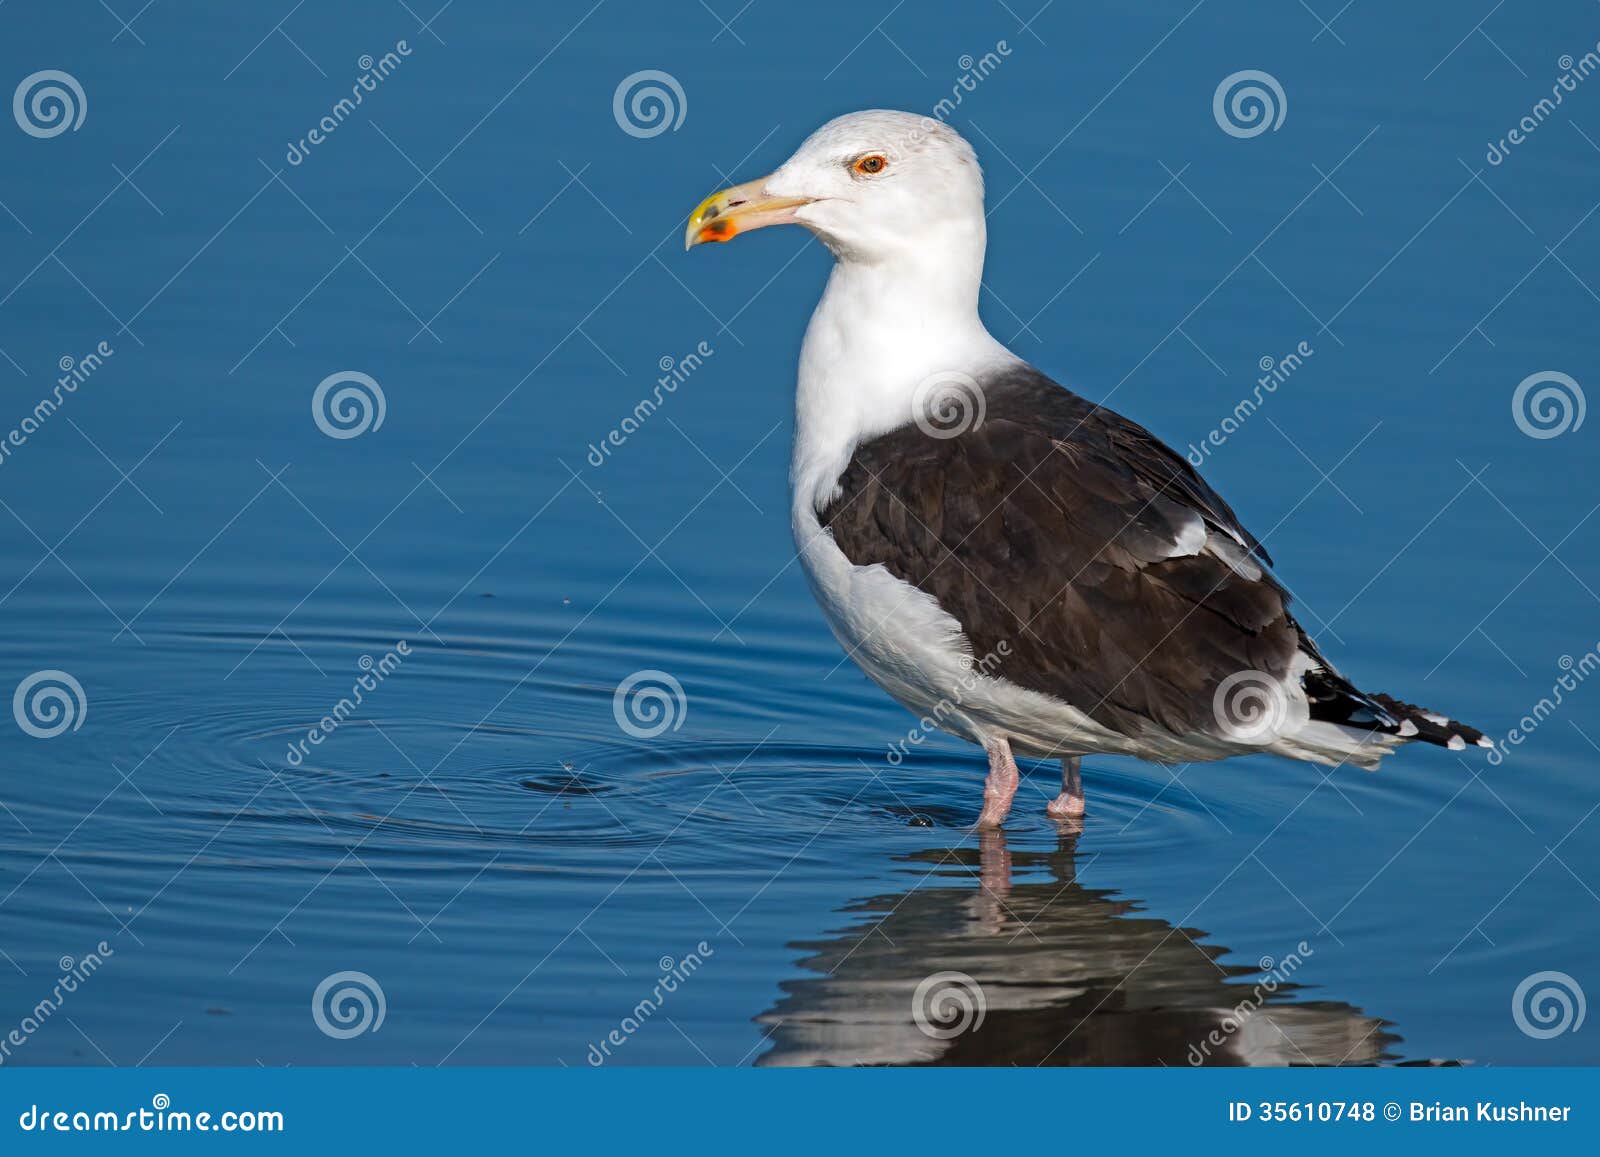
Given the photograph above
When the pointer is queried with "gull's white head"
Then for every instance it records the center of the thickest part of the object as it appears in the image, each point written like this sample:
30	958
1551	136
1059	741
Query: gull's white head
873	186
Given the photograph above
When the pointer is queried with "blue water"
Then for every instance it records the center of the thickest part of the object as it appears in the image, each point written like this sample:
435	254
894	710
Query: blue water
481	837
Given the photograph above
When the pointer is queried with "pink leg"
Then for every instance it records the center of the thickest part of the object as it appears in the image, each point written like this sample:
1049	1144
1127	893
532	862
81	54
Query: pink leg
1001	786
1069	804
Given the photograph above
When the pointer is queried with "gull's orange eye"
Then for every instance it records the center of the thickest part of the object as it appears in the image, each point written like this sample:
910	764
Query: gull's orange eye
869	165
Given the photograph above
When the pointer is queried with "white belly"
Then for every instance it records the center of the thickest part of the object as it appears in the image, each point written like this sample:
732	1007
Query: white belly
908	645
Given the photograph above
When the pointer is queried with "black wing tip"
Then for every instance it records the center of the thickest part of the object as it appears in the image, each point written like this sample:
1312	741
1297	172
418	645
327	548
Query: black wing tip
1431	726
1334	700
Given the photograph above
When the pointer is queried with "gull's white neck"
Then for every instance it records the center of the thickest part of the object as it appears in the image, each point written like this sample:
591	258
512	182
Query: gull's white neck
881	329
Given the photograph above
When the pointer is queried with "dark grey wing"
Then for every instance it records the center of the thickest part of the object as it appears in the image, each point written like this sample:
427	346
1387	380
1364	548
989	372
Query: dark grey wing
1073	536
1032	399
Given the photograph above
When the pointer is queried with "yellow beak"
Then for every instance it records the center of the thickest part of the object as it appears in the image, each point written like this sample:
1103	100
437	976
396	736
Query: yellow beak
723	216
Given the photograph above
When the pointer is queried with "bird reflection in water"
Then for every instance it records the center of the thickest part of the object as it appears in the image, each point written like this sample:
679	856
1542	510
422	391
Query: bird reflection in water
1038	969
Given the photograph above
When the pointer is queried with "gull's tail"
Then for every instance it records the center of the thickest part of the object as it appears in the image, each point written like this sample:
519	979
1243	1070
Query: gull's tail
1349	725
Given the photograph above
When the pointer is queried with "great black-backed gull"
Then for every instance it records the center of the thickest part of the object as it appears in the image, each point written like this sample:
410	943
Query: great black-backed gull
1013	563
